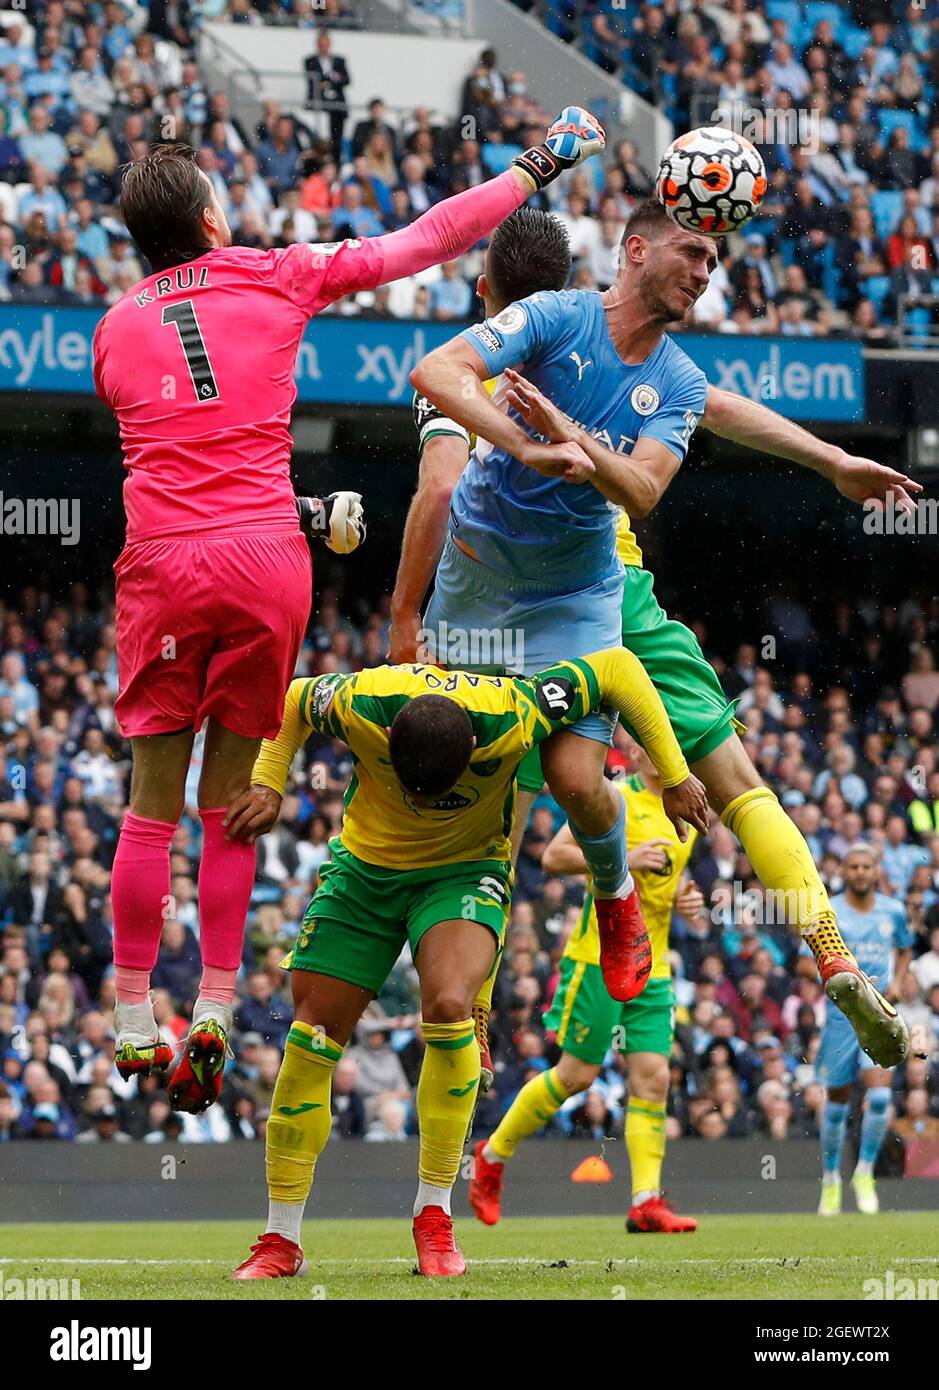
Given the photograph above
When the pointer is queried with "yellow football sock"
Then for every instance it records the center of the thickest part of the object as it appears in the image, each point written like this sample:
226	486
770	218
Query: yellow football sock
300	1118
645	1142
783	862
537	1102
446	1094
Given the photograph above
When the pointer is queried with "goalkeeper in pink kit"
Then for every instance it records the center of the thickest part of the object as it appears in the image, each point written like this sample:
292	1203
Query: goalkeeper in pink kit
214	582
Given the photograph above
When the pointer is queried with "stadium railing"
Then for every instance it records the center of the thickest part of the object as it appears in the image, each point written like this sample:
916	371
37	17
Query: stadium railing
916	320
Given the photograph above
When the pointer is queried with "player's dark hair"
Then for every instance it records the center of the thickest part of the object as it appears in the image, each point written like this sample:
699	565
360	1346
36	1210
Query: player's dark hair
163	197
529	251
646	220
430	743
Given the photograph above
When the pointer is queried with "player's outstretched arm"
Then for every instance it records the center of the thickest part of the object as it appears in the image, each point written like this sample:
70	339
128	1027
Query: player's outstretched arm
563	855
757	427
452	227
444	455
901	966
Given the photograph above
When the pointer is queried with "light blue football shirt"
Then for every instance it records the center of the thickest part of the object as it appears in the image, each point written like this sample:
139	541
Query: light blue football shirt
874	937
513	518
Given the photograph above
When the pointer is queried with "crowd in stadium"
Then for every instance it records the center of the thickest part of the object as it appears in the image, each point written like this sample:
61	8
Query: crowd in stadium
841	99
841	722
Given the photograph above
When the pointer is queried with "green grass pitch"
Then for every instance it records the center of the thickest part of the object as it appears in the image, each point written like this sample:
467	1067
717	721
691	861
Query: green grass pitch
736	1257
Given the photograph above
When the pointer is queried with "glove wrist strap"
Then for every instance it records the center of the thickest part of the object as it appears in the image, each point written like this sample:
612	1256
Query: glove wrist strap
541	166
314	515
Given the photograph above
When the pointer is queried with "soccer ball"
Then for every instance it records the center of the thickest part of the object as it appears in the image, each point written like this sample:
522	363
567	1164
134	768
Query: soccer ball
711	180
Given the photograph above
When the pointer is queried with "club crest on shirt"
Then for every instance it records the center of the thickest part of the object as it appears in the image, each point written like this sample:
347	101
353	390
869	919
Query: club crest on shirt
510	320
644	399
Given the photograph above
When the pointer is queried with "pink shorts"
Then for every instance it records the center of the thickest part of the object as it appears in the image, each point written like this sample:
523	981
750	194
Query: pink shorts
210	625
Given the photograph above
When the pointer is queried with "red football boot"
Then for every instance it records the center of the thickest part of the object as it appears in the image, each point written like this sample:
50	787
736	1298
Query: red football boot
196	1082
656	1216
437	1252
141	1058
625	948
273	1257
139	1047
485	1189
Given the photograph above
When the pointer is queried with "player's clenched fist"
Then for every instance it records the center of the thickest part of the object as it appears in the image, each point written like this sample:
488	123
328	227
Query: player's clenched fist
574	135
406	639
252	813
339	519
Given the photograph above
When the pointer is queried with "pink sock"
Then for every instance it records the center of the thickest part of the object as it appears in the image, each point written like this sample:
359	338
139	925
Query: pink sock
140	895
133	986
217	984
226	877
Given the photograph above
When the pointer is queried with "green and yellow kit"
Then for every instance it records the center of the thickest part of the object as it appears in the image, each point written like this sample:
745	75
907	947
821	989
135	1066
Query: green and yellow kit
399	867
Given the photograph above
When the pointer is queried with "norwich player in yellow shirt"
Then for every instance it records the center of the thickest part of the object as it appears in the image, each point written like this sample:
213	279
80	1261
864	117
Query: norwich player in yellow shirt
423	858
587	1022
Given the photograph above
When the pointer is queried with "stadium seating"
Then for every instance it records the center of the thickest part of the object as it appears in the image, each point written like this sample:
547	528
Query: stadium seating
886	205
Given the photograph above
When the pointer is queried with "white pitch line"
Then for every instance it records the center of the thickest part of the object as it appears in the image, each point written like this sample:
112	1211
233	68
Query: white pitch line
69	1260
546	1261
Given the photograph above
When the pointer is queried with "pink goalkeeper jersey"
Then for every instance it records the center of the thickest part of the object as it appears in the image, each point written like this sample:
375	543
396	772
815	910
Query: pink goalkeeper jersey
197	363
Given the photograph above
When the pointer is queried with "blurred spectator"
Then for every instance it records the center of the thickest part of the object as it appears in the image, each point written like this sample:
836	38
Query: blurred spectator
916	1121
348	1107
178	965
380	1073
327	80
451	296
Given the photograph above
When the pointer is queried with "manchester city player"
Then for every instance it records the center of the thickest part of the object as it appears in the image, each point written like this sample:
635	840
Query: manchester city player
875	928
539	554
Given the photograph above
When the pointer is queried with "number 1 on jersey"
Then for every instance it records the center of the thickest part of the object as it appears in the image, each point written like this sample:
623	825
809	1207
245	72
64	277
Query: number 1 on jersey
183	316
